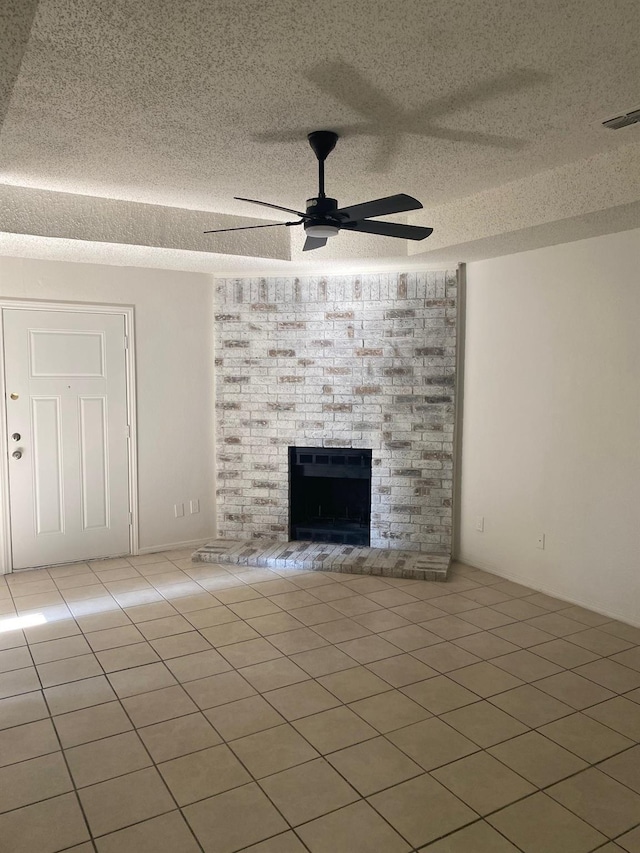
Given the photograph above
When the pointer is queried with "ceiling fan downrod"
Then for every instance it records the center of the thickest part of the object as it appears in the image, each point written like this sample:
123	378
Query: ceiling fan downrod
322	142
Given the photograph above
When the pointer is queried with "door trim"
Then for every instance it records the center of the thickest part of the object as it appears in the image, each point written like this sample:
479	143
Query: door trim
126	311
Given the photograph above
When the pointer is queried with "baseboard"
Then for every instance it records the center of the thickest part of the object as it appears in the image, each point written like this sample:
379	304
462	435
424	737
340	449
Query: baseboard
175	546
548	590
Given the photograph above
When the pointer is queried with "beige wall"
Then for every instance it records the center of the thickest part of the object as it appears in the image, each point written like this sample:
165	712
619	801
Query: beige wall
551	437
174	353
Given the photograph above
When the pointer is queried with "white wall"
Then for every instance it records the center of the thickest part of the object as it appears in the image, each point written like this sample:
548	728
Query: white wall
551	436
174	353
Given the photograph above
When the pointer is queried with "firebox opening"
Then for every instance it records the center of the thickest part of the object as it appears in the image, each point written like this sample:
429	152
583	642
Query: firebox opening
330	495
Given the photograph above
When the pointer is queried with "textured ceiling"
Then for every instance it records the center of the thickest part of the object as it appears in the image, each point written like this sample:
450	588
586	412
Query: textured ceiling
186	104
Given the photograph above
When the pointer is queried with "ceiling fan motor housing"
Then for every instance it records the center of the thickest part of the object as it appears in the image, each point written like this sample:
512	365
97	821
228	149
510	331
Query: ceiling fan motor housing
322	224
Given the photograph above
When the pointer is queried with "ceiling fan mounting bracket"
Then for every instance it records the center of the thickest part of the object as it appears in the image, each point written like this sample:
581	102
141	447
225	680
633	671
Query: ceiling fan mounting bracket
322	142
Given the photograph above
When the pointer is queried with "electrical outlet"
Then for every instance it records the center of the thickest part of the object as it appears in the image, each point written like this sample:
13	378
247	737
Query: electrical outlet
480	523
178	510
540	541
194	506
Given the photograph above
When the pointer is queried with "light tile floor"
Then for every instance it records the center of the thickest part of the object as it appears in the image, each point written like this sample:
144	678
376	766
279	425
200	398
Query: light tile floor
156	705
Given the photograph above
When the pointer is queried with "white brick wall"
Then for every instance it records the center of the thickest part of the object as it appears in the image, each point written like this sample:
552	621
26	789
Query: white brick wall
338	361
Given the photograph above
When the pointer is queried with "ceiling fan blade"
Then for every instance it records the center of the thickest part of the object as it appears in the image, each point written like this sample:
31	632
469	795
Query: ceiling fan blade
314	243
274	206
388	229
250	227
380	207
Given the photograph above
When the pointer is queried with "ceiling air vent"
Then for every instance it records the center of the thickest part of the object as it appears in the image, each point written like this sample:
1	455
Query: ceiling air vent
622	121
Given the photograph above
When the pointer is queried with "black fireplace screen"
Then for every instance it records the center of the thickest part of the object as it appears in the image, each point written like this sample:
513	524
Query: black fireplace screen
330	495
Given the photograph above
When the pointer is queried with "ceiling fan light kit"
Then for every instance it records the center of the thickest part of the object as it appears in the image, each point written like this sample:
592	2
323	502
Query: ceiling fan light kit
323	218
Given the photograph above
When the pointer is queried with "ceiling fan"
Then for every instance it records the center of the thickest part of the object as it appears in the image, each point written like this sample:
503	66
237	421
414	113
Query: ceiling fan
323	218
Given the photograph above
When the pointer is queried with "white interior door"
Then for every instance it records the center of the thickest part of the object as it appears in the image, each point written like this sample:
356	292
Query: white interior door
66	402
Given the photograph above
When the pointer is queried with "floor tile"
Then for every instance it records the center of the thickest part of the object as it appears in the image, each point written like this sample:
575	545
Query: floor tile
180	645
27	741
198	665
624	767
483	723
401	670
625	632
274	623
168	833
564	653
125	800
479	837
334	729
630	842
114	638
538	759
167	626
273	674
486	645
211	617
355	605
450	627
629	658
381	620
308	791
574	690
228	633
179	736
323	661
249	652
483	782
373	765
586	737
301	700
538	825
203	774
232	821
68	647
272	750
526	666
556	624
45	827
521	634
444	814
72	669
445	657
148	708
389	711
600	800
107	758
299	640
19	681
619	714
127	657
350	685
315	614
531	706
141	679
341	630
410	637
614	676
243	717
432	743
600	642
485	679
142	613
368	649
33	780
486	618
79	694
26	708
356	828
91	724
218	689
440	694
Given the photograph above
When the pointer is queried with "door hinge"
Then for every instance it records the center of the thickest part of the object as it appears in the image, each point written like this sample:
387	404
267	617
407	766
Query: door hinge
128	430
130	519
126	342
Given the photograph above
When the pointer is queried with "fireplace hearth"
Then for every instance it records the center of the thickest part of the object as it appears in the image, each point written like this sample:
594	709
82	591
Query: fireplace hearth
330	495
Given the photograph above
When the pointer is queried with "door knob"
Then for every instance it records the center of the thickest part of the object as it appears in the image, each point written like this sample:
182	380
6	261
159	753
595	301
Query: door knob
16	436
17	454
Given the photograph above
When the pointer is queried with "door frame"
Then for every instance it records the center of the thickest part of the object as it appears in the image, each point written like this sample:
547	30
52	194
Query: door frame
128	313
